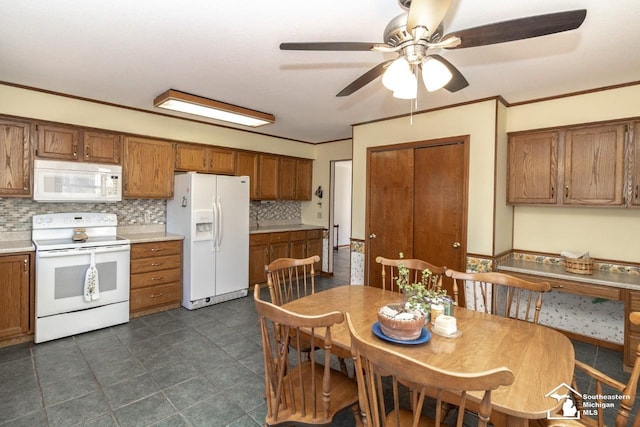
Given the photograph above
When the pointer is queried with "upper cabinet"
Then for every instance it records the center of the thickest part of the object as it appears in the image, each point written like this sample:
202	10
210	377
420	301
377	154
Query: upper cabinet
247	164
72	143
148	168
579	166
268	181
594	166
634	182
304	172
295	178
15	152
533	168
201	158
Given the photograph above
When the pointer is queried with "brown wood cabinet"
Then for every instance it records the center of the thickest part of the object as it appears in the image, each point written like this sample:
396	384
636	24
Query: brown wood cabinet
15	149
532	169
265	248
148	168
247	164
269	179
201	158
634	182
304	172
156	276
101	147
258	257
594	165
631	331
15	291
295	179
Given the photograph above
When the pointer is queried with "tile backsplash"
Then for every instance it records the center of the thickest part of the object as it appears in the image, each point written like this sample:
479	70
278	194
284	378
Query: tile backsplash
16	213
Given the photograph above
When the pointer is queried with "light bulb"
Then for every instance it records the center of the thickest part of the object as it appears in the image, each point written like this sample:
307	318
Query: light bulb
435	74
395	75
408	89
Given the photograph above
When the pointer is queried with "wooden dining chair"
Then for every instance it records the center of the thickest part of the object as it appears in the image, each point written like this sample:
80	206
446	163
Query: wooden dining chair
301	391
586	374
381	369
291	278
389	271
501	294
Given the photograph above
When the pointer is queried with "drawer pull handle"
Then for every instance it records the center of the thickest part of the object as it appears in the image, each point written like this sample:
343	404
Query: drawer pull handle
557	286
157	278
155	264
156	296
157	249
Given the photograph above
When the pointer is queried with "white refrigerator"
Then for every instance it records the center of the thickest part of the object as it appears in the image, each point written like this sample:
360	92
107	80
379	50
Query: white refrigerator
212	212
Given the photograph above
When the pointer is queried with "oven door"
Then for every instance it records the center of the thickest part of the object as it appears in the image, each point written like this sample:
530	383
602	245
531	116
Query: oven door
60	277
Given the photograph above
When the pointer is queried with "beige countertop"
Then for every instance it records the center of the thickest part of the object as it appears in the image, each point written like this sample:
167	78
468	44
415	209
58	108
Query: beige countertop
14	246
151	237
290	227
557	271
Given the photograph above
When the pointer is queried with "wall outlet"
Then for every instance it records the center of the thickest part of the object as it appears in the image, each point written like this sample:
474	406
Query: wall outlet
147	217
319	215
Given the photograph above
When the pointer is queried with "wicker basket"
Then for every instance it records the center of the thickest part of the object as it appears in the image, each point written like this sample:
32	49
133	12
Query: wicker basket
578	265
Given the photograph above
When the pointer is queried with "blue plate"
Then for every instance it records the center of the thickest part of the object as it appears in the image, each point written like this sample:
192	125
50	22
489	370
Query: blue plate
425	336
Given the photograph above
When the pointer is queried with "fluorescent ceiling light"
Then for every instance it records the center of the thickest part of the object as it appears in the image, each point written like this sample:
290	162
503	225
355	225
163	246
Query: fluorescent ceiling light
192	104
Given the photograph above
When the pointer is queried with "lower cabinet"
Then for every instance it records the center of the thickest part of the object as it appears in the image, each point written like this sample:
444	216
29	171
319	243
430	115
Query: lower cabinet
15	290
631	331
156	276
267	247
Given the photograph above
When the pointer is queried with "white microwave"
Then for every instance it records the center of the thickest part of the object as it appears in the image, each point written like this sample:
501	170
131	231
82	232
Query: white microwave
62	181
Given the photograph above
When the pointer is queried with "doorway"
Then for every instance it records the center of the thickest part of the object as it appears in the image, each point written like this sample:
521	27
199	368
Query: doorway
417	204
340	220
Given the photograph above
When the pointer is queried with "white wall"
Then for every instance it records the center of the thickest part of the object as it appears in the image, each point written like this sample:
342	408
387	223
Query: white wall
342	201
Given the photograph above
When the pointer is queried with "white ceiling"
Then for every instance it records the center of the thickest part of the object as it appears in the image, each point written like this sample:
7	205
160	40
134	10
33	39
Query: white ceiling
128	52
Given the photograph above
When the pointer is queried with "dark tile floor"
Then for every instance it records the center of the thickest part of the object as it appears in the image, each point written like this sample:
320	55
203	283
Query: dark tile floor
177	368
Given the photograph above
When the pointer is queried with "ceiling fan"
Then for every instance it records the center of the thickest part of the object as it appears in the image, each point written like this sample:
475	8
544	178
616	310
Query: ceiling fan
414	33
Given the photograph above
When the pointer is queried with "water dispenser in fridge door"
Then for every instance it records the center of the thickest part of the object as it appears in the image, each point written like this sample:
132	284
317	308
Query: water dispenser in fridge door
203	225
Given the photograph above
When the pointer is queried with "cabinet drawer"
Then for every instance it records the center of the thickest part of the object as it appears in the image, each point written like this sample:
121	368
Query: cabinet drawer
155	295
145	265
279	237
151	278
634	301
258	239
314	234
145	250
298	235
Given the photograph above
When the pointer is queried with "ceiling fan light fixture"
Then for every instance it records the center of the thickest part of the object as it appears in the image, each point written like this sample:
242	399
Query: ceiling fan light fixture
191	104
435	75
408	89
395	76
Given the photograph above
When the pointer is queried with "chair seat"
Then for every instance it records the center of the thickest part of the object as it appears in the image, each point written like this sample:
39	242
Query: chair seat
343	390
406	419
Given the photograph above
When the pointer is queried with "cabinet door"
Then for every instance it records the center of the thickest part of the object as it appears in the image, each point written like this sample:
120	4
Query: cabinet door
14	295
57	142
635	168
314	247
269	180
148	168
532	168
298	245
247	164
258	258
594	166
304	172
102	147
190	157
221	161
15	152
287	179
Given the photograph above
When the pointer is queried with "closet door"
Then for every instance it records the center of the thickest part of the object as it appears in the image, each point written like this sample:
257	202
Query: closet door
390	208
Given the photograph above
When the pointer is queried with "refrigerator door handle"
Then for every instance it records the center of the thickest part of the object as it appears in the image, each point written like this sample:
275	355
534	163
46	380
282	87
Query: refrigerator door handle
214	238
219	235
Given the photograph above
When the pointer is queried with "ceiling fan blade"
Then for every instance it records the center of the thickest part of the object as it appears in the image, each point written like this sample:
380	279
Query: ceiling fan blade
366	78
340	46
518	29
457	81
427	14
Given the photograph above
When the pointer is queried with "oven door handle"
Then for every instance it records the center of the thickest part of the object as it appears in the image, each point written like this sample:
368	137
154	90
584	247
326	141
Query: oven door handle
81	251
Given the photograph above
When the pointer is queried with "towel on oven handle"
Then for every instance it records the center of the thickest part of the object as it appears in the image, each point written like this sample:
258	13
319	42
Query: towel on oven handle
91	282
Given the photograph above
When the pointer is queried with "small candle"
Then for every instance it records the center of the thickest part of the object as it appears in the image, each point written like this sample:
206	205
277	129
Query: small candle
436	310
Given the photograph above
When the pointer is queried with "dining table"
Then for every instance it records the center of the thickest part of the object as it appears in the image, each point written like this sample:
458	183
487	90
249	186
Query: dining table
540	357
